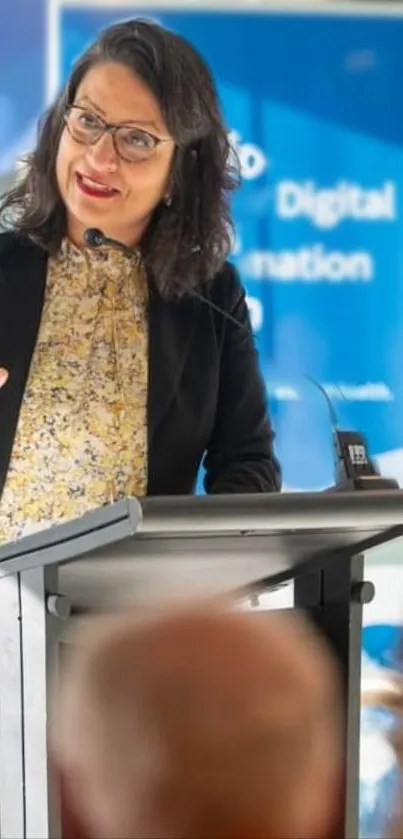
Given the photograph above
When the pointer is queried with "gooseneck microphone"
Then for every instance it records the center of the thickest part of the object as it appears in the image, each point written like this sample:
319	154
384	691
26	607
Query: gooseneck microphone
354	468
95	238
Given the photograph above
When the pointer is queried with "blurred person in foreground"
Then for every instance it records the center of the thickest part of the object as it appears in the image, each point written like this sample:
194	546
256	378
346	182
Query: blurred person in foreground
199	722
123	373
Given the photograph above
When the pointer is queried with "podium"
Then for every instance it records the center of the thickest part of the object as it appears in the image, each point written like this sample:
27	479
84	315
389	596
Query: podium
131	553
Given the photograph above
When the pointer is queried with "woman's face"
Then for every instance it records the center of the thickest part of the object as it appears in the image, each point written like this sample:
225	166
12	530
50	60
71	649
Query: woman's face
98	187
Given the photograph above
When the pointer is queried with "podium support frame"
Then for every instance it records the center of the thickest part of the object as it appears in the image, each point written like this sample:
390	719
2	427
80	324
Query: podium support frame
333	597
29	635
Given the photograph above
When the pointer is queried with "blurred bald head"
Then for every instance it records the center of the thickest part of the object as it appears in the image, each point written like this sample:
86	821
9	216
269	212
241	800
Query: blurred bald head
199	722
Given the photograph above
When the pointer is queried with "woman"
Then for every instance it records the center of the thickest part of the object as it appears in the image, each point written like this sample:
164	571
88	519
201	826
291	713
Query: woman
126	365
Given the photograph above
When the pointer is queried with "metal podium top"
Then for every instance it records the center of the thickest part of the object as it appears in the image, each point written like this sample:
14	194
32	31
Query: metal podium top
217	543
361	514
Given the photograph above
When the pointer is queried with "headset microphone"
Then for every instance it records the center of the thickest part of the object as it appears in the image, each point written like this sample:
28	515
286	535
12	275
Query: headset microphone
95	238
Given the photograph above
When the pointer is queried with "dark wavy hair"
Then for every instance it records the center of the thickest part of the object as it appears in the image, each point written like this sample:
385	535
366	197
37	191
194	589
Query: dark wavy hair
187	243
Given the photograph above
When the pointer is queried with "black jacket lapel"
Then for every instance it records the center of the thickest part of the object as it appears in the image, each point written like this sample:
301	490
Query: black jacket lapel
22	287
171	328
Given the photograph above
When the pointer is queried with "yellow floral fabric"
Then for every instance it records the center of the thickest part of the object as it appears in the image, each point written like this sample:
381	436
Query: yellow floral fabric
81	439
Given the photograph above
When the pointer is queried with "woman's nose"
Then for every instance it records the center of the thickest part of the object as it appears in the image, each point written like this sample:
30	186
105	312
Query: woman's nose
103	154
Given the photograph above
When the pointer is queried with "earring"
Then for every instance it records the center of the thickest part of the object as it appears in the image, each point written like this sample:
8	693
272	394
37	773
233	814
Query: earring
168	200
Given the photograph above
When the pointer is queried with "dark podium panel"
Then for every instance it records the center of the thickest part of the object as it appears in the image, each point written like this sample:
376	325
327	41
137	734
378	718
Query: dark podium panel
134	552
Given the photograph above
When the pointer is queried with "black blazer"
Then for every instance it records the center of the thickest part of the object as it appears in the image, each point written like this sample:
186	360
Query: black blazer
206	396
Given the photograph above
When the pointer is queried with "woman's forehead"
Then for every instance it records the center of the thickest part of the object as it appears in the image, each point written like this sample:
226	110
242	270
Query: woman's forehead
118	95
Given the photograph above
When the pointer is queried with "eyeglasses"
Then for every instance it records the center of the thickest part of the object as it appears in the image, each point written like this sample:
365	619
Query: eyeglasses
131	144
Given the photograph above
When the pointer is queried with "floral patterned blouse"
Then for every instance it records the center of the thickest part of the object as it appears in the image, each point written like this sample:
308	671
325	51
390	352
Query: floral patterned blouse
81	439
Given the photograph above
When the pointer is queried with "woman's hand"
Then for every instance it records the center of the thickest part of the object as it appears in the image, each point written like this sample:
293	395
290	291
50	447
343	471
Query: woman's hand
3	376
